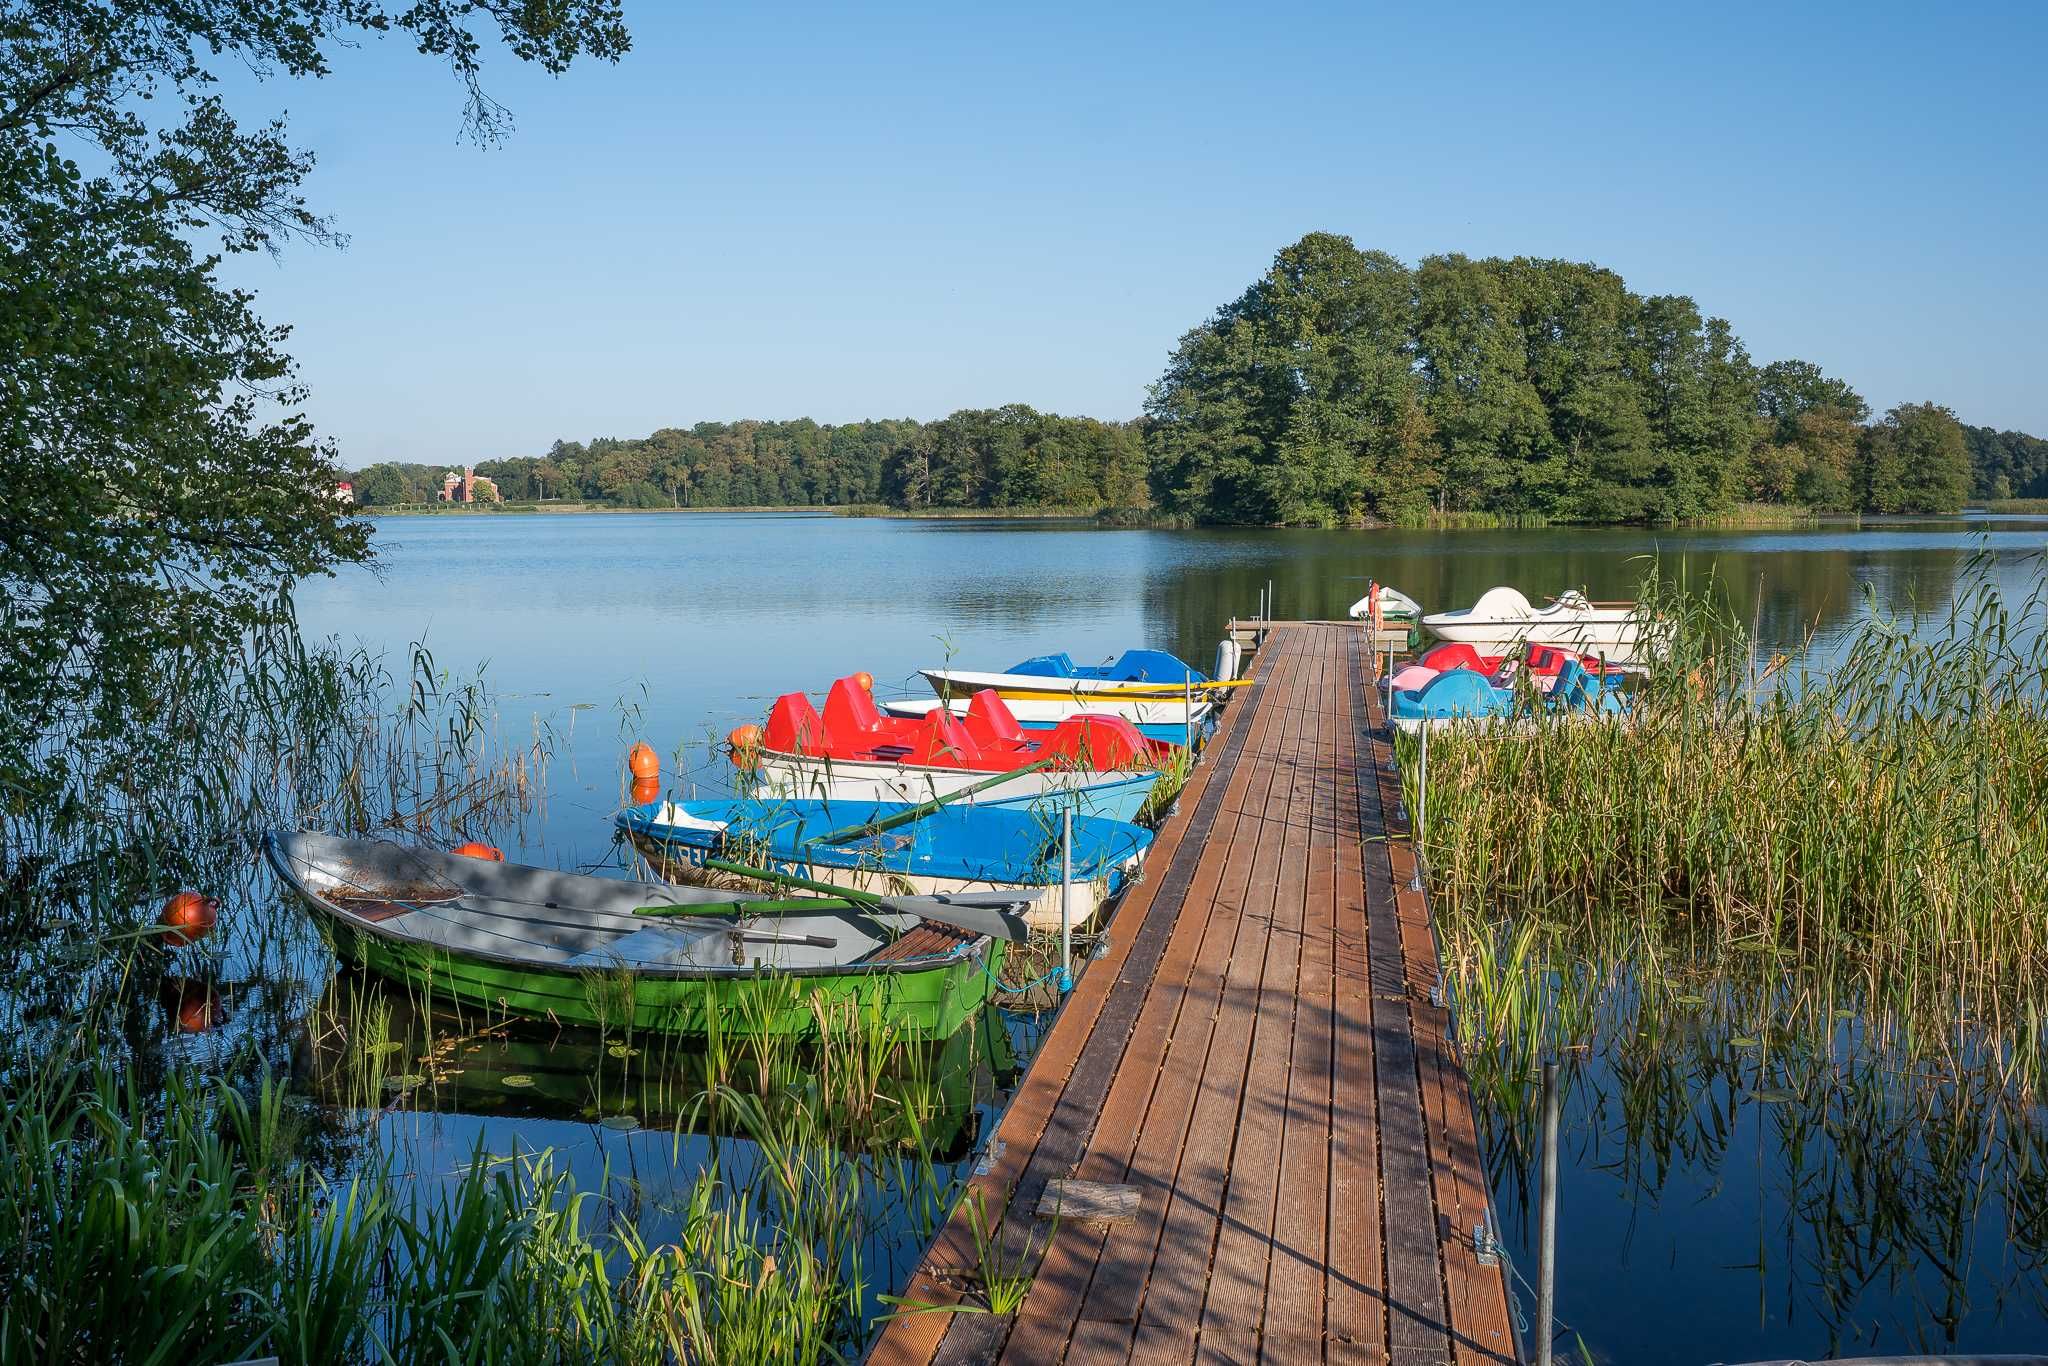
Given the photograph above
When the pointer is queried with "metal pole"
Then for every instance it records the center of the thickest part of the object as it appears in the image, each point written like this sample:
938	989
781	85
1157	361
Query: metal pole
1188	713
1066	898
1269	599
1546	1244
1421	805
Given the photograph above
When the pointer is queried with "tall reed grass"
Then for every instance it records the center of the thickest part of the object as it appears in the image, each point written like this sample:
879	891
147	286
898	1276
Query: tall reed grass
1888	809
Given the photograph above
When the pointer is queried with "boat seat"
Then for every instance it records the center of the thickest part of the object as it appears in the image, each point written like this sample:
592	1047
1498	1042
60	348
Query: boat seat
794	726
1060	665
1453	655
1149	666
990	722
850	710
655	946
942	742
1101	743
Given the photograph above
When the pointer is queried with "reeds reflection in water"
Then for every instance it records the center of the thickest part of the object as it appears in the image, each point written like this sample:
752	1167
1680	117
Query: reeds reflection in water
1788	931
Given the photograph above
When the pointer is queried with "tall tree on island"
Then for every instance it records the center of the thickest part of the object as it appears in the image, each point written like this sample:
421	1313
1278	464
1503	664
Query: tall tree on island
1298	401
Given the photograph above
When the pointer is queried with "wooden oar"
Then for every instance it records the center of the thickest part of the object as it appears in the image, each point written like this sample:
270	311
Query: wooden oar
993	921
917	813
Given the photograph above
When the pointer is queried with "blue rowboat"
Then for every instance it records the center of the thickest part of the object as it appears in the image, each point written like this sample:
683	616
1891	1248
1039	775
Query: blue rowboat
954	849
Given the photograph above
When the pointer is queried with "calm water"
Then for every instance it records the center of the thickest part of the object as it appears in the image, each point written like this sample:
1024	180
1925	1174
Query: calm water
676	628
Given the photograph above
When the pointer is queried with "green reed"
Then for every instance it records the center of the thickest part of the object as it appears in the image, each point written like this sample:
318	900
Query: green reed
1891	811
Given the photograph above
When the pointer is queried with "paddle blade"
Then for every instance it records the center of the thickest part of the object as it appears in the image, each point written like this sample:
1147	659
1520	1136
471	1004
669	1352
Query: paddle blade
997	919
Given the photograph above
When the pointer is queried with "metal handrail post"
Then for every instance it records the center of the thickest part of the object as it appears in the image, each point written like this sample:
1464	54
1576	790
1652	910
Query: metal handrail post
1415	883
1067	898
1546	1244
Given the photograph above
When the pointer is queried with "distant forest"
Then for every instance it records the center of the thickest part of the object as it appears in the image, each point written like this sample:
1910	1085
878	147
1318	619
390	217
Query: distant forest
1344	386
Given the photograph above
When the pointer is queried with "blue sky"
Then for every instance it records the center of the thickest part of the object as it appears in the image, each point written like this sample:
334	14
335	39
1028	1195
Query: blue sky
903	210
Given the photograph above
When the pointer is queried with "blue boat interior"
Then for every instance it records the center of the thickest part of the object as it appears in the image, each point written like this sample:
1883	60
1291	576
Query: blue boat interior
1132	666
1463	693
984	842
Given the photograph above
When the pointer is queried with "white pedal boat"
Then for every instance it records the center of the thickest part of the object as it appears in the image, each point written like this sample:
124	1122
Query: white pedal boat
1503	619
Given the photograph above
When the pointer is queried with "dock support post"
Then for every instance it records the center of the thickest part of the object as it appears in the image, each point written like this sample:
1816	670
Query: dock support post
1546	1244
1066	978
1188	715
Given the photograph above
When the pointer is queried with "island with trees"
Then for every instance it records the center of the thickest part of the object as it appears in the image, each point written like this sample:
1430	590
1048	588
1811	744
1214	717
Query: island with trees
1346	387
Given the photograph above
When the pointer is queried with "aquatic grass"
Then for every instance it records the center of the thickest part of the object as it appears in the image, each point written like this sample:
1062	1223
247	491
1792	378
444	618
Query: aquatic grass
1893	808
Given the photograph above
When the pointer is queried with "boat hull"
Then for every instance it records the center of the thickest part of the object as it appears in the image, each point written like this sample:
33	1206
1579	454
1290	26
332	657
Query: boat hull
683	861
1617	641
927	1002
1117	796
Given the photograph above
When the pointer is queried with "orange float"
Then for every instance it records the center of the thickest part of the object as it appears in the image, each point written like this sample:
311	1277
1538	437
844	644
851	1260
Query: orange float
643	762
189	917
866	680
478	849
744	738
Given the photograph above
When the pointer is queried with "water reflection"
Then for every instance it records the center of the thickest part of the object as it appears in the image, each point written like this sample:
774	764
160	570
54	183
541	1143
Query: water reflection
1772	1162
375	1046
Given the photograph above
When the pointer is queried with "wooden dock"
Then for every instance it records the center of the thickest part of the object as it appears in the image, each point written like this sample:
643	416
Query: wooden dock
1261	1059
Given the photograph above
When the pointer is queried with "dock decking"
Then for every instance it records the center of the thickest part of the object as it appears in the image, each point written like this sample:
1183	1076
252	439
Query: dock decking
1261	1057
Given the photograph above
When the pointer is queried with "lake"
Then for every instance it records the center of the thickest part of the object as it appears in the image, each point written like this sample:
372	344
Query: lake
606	629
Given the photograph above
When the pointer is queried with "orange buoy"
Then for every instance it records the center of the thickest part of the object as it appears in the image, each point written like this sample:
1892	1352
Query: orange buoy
744	740
189	917
643	761
645	790
866	680
478	849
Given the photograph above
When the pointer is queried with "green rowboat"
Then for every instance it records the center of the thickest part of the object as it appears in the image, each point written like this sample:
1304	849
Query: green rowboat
569	947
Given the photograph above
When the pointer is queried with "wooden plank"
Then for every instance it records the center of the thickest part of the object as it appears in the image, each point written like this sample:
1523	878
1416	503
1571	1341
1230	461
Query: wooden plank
915	1339
1179	1282
1477	1317
1414	1280
1357	1310
1071	1260
1143	1129
1244	1244
1098	1200
1296	1290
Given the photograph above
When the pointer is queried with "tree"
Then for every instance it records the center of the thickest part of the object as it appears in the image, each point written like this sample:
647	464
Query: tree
164	490
1914	461
1789	389
1293	403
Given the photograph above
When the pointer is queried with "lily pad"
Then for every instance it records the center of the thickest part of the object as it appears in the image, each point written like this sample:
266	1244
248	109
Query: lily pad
404	1081
1774	1097
1745	1040
1692	1000
378	1050
516	1081
619	1050
621	1124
